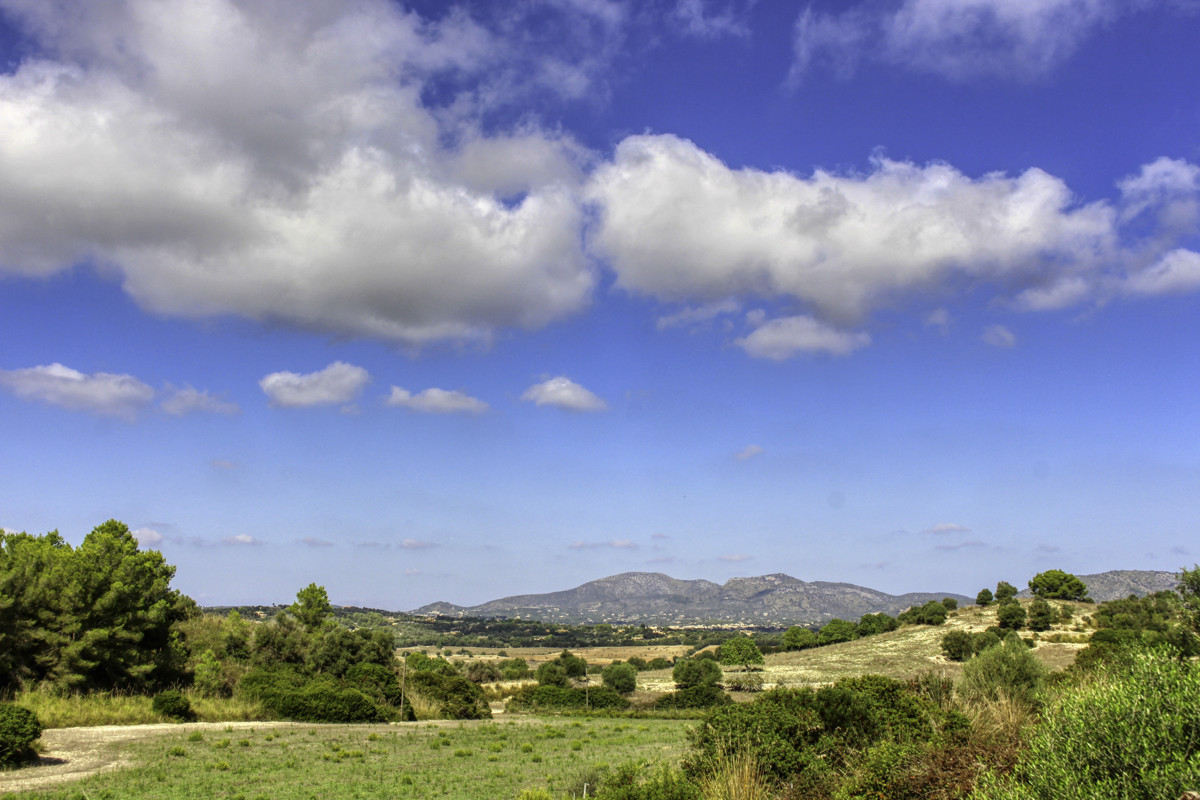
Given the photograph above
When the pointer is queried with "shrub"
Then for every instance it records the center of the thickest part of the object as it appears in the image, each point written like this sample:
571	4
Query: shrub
1005	592
1009	670
560	698
740	651
552	674
514	669
695	672
797	638
658	663
1041	615
459	698
744	681
837	630
950	603
958	645
19	729
1011	616
620	677
707	696
871	624
172	704
1135	734
323	702
984	597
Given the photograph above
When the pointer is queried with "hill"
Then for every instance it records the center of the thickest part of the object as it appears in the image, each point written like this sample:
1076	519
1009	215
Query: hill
653	598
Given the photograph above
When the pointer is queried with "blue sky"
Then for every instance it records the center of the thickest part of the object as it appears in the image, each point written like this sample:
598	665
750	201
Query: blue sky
453	301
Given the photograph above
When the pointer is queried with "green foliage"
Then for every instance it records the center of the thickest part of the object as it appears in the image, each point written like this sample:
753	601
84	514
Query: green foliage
19	729
958	645
100	616
380	684
950	603
560	698
321	701
690	672
207	675
312	606
797	638
837	630
872	624
280	641
1005	592
621	678
744	681
1010	671
171	703
658	663
740	651
514	669
662	784
984	597
1011	616
1054	584
574	666
458	697
1132	734
1041	615
551	673
932	613
705	696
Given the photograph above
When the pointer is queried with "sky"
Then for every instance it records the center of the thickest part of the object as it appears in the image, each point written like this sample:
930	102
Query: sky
453	301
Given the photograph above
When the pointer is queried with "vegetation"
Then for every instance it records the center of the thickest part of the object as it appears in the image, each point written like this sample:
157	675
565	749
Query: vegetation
19	729
740	651
1054	584
984	597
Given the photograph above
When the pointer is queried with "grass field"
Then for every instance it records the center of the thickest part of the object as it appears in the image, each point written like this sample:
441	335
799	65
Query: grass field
492	760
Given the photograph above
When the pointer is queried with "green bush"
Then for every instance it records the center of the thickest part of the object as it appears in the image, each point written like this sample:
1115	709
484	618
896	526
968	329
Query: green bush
690	672
837	630
707	696
958	645
1009	670
323	702
984	598
19	729
459	698
171	703
560	698
744	681
621	678
797	638
1133	734
1011	616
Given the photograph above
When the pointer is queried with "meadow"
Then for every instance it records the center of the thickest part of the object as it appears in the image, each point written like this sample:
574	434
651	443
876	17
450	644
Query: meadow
290	761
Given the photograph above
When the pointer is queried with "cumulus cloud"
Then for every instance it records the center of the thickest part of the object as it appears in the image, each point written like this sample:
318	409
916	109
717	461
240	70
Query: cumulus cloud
148	537
678	224
956	39
436	401
1175	273
563	393
943	528
298	177
336	384
780	339
998	336
240	539
747	453
102	393
190	401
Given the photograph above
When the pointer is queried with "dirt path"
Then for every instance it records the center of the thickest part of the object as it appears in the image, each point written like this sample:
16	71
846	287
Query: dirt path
69	754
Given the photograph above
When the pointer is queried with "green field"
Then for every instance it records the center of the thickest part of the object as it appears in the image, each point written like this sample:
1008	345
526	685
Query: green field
417	760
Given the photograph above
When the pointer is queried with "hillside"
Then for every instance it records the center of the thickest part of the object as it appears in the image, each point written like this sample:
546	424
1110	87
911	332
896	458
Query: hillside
653	598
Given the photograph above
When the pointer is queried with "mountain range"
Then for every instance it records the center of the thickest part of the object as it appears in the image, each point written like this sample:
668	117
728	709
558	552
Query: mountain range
653	598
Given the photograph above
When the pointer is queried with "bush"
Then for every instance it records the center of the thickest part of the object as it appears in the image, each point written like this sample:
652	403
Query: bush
950	603
1011	616
1135	734
458	697
1041	615
958	645
1009	670
797	638
172	704
19	729
694	697
560	698
620	677
695	672
552	674
984	598
837	630
744	681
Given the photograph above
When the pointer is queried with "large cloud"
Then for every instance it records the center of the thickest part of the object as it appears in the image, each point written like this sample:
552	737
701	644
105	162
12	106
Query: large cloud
275	160
679	224
102	393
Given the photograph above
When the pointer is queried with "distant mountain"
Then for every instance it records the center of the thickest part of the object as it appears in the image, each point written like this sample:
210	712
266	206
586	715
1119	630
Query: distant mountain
1119	583
656	599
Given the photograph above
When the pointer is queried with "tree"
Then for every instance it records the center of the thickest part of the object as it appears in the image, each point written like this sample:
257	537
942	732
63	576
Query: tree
552	673
984	597
1189	596
871	624
958	645
837	630
690	672
1005	593
1041	615
312	606
740	651
797	638
620	677
1054	584
1011	616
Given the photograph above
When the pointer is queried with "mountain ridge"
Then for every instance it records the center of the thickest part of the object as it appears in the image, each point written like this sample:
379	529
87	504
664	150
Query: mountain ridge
778	599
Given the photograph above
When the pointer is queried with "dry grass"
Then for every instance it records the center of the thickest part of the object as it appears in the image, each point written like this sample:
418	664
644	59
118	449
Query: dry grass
739	778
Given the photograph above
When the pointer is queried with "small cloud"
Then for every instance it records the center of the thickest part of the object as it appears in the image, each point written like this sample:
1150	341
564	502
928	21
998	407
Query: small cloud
969	545
736	557
616	544
101	393
998	336
148	537
337	384
938	318
417	544
221	463
943	528
190	401
240	539
748	453
412	571
436	401
563	393
312	541
698	24
690	317
780	339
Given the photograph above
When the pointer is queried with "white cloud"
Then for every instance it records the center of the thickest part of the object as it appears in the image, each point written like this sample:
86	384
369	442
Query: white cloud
697	22
148	537
563	393
102	393
938	318
780	339
957	39
313	541
240	539
678	224
417	544
436	401
189	400
338	383
297	177
749	452
695	316
1175	273
615	544
998	336
943	528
